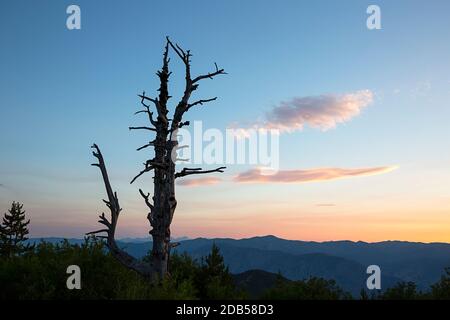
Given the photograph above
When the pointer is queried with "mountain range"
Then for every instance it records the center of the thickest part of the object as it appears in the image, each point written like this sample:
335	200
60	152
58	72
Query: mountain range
344	261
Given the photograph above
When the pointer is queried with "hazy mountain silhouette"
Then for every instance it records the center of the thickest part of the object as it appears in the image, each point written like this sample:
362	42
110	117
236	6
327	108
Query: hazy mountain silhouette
343	261
422	263
348	274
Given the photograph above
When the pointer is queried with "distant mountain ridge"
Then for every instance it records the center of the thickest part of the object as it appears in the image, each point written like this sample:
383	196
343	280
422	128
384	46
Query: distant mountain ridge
343	261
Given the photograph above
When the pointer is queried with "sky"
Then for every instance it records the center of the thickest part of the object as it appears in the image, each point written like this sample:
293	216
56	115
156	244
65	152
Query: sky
362	115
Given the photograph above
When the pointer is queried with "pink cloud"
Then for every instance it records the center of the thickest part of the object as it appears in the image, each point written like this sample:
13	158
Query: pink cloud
320	112
308	175
198	182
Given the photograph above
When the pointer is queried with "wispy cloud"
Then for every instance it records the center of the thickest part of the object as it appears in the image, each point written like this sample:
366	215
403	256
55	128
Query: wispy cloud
308	175
422	89
198	182
320	112
325	205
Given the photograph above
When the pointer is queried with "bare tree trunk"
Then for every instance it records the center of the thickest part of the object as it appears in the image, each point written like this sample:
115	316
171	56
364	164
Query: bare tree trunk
163	203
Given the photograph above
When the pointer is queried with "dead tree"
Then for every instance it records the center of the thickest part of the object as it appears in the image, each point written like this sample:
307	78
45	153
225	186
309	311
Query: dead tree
164	144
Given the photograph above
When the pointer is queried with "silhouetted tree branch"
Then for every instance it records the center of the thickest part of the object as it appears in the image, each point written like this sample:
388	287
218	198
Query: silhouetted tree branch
190	171
113	204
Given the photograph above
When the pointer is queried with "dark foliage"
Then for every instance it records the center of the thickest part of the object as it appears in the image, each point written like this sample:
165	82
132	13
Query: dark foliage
41	274
403	291
310	289
441	289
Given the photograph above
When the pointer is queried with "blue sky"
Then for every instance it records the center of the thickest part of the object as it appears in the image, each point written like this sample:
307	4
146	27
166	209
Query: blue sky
63	90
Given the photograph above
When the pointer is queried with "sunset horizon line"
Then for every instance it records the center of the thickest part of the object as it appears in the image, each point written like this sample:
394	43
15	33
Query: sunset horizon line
185	238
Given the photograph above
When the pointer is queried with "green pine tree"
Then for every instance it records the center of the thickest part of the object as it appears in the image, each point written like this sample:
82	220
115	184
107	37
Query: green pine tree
214	280
214	264
13	232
